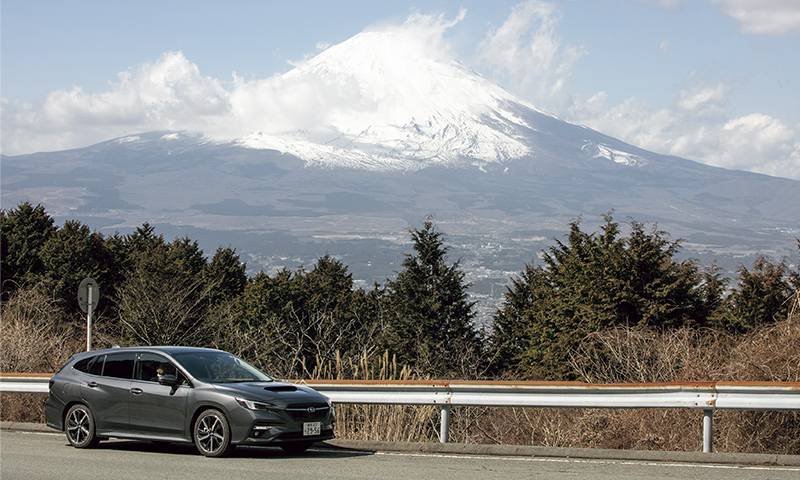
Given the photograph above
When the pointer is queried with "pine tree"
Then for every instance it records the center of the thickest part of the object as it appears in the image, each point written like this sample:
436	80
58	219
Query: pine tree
429	316
762	296
594	282
73	253
23	233
227	275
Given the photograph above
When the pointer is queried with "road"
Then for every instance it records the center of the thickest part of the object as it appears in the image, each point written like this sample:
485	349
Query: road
32	456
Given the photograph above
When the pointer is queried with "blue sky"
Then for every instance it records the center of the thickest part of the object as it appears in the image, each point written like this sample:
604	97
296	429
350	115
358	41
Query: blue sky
717	81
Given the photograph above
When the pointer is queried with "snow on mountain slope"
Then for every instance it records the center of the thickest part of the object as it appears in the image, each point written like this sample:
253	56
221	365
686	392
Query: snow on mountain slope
391	104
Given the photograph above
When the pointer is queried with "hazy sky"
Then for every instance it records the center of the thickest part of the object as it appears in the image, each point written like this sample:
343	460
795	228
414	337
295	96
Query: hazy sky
717	81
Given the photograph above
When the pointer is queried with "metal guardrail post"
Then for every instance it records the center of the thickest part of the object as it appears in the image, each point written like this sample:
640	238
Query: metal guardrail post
444	430
708	431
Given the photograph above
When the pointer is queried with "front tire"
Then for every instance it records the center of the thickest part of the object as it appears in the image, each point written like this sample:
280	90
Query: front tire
212	434
80	427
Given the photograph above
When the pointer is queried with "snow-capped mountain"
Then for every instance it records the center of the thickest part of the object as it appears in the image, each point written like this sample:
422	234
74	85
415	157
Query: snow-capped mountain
390	107
387	135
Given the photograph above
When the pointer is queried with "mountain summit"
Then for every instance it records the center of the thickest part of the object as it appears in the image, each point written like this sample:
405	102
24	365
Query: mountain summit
372	135
386	102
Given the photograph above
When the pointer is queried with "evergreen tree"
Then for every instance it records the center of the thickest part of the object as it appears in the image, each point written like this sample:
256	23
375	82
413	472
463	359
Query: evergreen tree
762	296
164	299
227	274
307	317
594	282
73	253
428	314
23	233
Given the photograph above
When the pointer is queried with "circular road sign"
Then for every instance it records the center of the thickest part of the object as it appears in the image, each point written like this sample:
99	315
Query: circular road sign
83	294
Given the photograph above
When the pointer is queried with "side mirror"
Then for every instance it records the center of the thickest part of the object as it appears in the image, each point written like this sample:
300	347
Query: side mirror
169	380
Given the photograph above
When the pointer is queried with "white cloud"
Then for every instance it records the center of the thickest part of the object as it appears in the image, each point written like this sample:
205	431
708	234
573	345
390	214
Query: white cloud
172	94
764	17
527	52
759	139
167	94
698	127
702	99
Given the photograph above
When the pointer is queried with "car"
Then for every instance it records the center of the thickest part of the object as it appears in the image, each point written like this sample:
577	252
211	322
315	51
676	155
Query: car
183	394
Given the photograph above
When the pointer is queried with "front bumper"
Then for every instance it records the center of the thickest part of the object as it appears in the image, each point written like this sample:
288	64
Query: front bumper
258	427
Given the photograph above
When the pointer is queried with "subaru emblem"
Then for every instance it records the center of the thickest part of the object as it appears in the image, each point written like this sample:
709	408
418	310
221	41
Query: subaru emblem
311	409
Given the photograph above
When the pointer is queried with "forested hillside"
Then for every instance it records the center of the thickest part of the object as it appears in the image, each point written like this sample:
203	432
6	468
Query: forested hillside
296	323
600	307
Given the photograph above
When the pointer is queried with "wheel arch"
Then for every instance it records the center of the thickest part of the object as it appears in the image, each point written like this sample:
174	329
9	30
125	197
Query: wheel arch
202	407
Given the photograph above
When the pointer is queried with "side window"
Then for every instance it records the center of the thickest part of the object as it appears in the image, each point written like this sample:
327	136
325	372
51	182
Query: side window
83	365
91	365
150	367
96	365
119	365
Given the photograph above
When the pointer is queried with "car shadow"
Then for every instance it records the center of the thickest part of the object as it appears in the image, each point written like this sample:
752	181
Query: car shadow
318	450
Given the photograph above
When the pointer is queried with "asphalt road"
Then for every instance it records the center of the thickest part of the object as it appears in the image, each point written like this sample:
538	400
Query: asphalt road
38	455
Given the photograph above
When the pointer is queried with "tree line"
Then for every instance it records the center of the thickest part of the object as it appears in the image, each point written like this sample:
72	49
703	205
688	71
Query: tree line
294	323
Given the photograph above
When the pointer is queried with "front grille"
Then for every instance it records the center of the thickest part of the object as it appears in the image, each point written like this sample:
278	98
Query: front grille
307	412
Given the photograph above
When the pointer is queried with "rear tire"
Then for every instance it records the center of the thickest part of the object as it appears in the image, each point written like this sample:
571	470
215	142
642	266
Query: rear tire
80	428
212	434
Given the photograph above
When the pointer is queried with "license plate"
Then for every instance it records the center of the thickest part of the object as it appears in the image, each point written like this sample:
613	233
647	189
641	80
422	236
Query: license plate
312	428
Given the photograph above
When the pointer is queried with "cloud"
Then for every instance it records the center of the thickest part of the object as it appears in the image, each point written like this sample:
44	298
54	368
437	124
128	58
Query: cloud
527	54
526	51
342	90
703	99
699	127
761	139
169	93
763	17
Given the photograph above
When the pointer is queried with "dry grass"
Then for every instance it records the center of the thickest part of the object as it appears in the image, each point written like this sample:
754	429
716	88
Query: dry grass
22	407
771	353
35	336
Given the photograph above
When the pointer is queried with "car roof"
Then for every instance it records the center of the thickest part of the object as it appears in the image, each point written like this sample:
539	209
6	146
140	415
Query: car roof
169	350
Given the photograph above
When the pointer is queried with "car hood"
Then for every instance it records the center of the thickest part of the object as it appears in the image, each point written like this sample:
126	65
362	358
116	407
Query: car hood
274	392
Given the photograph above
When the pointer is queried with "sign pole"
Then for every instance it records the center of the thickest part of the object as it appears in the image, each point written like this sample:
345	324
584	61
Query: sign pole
88	296
89	321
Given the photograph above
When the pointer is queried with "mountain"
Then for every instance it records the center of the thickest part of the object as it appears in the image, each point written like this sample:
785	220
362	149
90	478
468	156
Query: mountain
396	136
388	106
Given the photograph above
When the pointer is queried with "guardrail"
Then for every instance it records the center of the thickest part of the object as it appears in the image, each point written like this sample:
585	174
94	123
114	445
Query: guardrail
705	396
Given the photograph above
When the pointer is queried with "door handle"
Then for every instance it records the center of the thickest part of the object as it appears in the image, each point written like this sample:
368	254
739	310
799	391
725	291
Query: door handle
91	384
136	391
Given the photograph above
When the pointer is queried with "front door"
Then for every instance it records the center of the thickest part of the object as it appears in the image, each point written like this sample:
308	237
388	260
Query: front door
157	409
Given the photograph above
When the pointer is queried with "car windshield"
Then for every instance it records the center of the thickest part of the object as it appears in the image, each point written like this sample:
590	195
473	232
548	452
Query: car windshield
220	367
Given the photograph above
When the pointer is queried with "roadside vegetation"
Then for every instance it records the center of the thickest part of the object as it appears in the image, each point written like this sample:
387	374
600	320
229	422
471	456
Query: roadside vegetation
602	307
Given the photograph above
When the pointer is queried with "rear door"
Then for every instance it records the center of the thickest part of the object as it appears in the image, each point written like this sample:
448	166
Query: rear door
157	409
107	394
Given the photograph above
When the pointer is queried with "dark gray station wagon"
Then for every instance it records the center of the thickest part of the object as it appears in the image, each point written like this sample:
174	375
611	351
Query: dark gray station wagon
180	394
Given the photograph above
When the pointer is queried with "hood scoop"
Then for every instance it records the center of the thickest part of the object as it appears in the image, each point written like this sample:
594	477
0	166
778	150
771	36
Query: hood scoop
281	388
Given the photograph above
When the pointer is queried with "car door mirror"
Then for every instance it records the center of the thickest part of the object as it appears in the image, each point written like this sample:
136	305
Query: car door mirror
169	380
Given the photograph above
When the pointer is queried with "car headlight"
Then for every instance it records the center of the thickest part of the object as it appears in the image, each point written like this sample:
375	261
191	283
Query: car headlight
330	404
251	405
